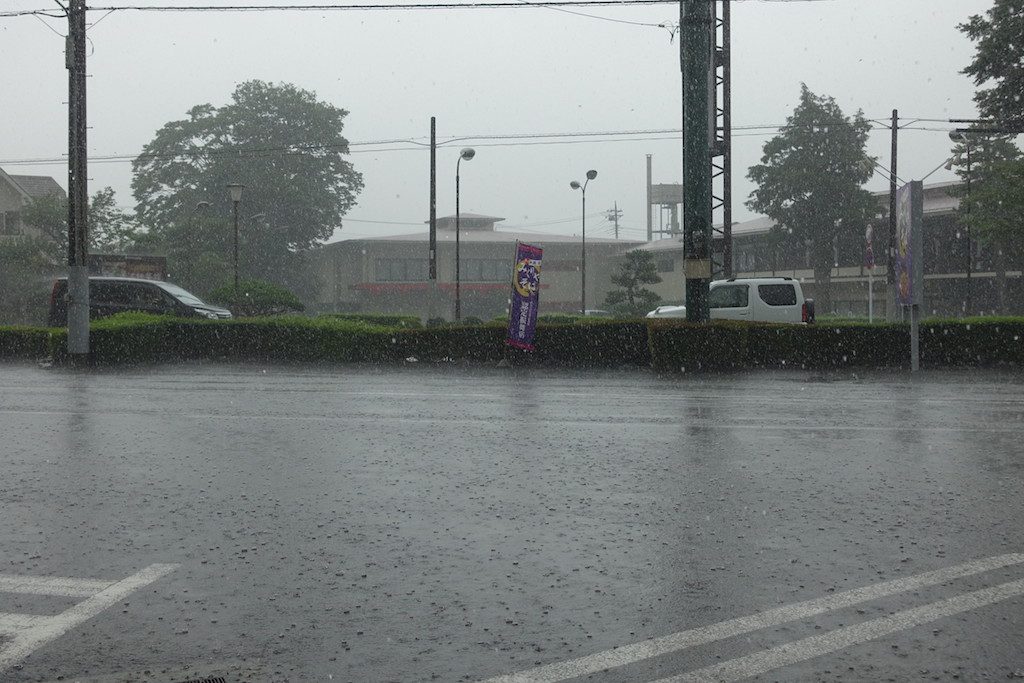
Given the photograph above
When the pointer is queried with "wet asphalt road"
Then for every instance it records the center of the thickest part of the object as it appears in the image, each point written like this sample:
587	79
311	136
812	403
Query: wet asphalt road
416	524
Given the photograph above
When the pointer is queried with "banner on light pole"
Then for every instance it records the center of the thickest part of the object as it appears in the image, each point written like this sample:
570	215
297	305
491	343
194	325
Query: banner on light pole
522	318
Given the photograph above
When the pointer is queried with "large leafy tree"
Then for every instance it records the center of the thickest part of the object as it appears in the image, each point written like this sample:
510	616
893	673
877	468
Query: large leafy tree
283	144
993	208
998	60
26	278
110	228
810	182
631	297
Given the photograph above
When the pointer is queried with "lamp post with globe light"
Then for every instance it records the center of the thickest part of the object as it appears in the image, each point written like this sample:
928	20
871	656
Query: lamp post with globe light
591	174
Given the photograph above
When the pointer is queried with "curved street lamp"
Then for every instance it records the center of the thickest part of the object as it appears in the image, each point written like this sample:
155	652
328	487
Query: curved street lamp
467	153
591	174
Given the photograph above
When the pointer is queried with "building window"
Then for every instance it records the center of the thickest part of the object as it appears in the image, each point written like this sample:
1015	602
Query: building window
10	223
666	265
401	270
485	270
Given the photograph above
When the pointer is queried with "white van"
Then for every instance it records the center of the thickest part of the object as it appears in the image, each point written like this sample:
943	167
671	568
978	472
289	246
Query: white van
763	299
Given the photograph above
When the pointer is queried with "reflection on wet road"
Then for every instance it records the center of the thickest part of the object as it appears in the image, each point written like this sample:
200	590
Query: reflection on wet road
453	524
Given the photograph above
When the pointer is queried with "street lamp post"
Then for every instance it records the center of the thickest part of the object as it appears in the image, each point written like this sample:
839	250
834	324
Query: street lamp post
467	154
591	174
236	197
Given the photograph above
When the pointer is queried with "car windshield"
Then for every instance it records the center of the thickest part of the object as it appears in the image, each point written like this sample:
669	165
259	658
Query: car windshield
182	295
480	341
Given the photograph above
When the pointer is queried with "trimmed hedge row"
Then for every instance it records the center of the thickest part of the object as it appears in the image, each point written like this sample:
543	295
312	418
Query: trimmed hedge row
668	346
26	342
382	319
682	347
137	338
603	344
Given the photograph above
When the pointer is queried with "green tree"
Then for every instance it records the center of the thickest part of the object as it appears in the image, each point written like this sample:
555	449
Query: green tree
255	298
994	206
27	268
632	298
810	182
998	60
110	228
283	144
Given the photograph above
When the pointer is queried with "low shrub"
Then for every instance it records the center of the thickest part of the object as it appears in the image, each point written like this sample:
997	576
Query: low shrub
138	338
972	341
25	342
382	319
556	318
595	343
482	343
678	346
256	298
666	345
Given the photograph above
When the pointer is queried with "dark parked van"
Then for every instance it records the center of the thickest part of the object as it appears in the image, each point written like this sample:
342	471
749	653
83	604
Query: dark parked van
110	295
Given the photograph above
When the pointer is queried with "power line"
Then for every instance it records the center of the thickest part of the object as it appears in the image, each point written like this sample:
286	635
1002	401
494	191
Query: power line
503	140
32	13
43	22
493	4
551	222
595	16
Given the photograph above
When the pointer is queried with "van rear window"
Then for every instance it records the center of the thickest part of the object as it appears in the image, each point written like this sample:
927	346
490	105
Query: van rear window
777	295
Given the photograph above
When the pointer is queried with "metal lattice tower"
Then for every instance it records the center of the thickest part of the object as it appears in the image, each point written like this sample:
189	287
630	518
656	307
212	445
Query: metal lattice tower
721	152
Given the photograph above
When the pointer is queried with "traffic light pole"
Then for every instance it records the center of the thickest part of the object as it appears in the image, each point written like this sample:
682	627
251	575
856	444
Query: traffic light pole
696	45
78	191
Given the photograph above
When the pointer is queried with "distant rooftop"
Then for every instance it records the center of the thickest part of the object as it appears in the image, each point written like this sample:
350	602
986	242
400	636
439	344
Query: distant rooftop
487	236
38	186
480	228
468	221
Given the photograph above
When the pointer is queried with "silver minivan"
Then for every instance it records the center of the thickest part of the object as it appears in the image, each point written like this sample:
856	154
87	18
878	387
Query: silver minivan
768	299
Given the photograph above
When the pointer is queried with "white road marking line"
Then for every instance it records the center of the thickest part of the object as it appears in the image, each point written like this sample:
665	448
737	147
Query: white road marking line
847	636
12	623
55	585
50	628
629	654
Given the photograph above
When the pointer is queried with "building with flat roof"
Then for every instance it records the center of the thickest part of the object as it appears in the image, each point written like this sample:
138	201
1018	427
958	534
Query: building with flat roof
390	274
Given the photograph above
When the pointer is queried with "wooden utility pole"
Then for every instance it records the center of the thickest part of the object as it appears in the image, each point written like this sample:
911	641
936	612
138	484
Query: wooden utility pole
890	280
78	187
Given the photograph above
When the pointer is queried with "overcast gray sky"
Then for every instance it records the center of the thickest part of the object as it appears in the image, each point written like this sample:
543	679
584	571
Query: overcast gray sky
490	71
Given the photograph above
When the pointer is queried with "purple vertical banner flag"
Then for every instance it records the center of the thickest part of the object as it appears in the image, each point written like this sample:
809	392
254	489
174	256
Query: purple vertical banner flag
522	317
